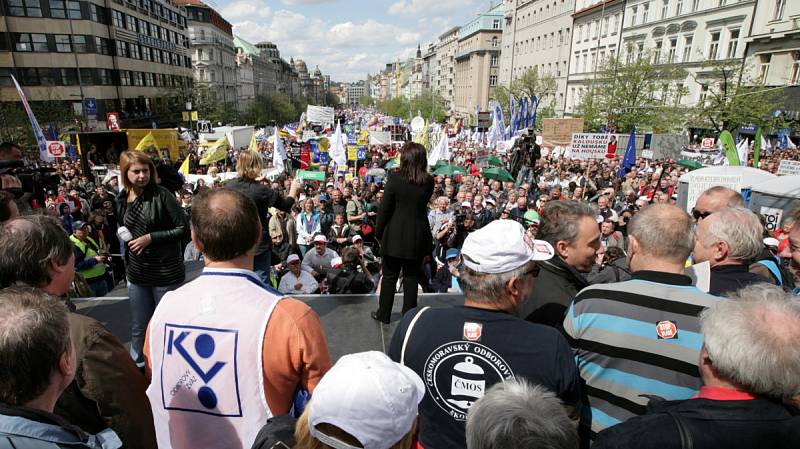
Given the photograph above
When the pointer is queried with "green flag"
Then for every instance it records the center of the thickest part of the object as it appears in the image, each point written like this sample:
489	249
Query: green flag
729	146
757	148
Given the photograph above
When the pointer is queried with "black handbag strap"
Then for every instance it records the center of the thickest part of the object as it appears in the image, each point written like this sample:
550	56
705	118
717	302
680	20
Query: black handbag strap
683	431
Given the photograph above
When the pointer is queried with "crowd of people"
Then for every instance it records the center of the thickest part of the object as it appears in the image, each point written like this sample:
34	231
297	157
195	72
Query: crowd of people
582	324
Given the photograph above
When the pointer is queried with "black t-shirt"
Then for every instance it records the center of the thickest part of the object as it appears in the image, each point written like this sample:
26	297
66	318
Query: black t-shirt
460	352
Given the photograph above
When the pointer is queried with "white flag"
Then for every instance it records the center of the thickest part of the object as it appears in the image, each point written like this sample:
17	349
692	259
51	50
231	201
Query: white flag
440	151
337	151
743	149
278	152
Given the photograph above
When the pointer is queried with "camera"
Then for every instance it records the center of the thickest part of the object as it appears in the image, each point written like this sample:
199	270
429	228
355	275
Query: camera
32	180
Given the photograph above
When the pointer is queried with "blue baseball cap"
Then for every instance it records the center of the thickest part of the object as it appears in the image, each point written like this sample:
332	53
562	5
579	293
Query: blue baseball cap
324	197
452	253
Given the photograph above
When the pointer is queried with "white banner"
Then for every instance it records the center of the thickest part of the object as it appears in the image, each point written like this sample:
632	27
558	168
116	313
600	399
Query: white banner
56	148
647	154
588	146
380	138
319	114
772	218
700	183
788	167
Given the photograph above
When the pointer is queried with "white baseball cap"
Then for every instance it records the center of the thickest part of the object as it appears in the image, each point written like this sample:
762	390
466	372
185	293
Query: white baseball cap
357	238
368	396
502	246
292	258
466	204
336	262
320	238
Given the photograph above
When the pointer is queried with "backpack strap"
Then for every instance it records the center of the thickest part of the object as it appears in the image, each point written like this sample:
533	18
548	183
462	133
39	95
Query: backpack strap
408	334
773	268
685	435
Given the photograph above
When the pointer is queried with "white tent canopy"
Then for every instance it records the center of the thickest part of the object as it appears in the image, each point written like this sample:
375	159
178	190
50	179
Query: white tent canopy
694	182
784	186
750	176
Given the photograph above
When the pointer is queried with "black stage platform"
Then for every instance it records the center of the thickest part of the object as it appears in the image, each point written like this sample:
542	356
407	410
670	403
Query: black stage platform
345	318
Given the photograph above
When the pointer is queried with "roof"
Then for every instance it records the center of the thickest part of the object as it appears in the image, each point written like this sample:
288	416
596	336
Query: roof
247	47
784	186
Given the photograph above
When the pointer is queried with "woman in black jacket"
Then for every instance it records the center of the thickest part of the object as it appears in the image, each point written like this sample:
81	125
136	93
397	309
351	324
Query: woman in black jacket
248	166
403	229
154	257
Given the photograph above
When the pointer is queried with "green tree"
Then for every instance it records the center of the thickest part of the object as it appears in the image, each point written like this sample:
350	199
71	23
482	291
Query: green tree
332	100
366	101
430	104
733	98
637	93
530	84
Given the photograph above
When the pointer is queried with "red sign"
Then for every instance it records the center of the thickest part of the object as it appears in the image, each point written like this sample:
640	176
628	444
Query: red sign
113	121
667	329
56	148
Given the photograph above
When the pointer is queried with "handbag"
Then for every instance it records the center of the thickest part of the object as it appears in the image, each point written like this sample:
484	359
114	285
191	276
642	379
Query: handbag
80	287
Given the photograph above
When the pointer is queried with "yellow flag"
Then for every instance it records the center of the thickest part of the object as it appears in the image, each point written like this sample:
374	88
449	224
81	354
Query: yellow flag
184	170
147	142
217	152
253	144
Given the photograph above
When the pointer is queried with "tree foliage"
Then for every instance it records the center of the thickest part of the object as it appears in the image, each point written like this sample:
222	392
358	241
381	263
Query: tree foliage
530	84
431	105
366	101
733	98
272	108
636	93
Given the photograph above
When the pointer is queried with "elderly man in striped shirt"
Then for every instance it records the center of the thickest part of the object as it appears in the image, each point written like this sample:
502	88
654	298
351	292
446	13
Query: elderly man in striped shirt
640	338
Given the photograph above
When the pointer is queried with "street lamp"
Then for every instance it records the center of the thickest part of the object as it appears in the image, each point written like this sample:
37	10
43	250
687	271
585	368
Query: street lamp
189	110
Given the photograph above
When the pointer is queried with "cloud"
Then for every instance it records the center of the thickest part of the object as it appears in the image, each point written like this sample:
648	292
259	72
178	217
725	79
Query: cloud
245	9
428	7
306	2
370	33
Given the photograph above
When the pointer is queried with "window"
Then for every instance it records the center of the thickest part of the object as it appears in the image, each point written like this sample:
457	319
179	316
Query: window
703	93
634	12
616	24
639	49
733	44
157	56
795	77
496	24
63	44
679	8
695	5
763	69
79	44
98	13
687	48
148	79
117	18
714	47
495	61
664	8
131	23
122	49
779	6
25	8
495	42
103	77
60	9
605	26
492	80
645	11
137	78
657	53
124	78
147	54
46	77
102	45
594	26
673	45
68	77
31	42
134	51
29	77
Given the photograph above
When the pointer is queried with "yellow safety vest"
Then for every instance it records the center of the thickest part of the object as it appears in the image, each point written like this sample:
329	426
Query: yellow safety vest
99	269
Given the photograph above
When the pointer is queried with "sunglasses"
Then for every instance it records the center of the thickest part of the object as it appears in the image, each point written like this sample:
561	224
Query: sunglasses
698	215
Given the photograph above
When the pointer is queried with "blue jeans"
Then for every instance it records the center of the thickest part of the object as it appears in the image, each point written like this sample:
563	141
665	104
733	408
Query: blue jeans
143	302
523	176
262	267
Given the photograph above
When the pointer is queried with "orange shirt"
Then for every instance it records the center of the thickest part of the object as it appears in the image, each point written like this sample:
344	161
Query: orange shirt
295	353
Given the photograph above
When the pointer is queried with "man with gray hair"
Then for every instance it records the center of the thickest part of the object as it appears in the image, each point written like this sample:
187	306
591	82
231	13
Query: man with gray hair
516	414
37	363
108	389
461	351
640	338
750	365
571	228
729	240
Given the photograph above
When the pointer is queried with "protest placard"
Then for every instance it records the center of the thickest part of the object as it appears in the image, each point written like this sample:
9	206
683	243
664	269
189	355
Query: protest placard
772	218
700	183
788	167
588	146
319	114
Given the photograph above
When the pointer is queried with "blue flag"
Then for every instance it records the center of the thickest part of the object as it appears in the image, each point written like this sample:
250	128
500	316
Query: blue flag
513	117
523	112
630	155
37	130
532	108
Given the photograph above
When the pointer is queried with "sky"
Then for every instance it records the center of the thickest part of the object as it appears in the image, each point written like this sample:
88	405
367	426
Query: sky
347	38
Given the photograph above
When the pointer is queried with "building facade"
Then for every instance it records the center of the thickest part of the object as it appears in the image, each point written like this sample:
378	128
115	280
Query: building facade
354	92
537	34
689	33
597	36
132	57
477	62
773	47
213	52
446	66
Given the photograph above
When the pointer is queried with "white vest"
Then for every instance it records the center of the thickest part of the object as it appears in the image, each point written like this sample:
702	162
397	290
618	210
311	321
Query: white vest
206	346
